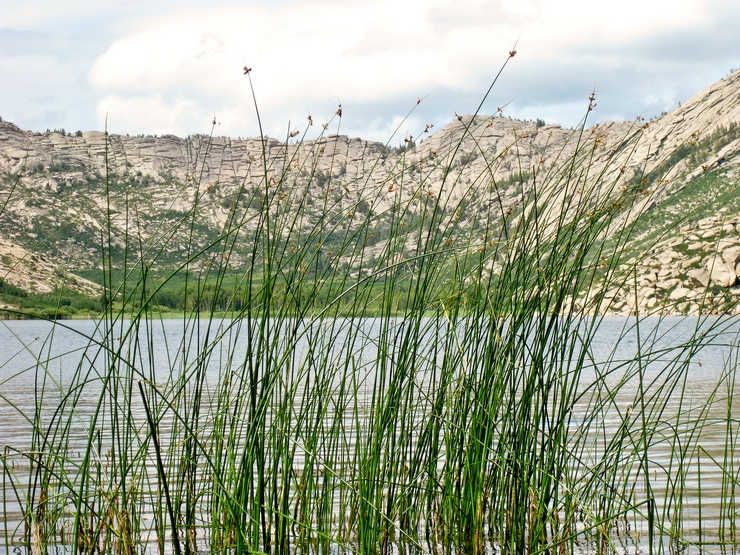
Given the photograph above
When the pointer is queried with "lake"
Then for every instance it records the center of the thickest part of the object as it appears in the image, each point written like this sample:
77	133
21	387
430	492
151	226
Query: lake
289	413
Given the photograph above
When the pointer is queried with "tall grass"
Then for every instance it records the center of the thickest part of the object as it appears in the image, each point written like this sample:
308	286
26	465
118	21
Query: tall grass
443	395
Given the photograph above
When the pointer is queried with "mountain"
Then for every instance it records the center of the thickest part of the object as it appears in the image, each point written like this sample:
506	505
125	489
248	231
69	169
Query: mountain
65	198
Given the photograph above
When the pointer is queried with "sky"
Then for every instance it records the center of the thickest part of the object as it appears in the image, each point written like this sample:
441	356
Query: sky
394	66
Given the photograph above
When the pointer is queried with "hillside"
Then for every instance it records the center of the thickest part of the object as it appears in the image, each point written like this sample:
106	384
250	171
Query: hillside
70	204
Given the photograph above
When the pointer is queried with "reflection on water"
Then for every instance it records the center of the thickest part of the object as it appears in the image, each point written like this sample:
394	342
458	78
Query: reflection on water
70	364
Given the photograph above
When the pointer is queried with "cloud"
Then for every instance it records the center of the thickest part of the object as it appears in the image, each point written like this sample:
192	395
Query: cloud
164	115
172	65
300	56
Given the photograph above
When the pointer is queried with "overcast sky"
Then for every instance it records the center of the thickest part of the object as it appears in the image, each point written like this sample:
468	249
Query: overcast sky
170	66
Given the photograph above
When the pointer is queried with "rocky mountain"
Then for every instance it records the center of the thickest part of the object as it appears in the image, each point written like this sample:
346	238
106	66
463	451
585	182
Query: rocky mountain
65	198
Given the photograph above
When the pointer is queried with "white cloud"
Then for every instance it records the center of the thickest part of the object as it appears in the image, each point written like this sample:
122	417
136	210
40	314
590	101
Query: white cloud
31	14
173	64
304	53
163	116
301	55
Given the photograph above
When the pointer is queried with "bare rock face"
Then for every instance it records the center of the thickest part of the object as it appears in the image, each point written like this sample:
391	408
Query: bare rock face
679	293
698	277
667	257
720	273
32	272
731	254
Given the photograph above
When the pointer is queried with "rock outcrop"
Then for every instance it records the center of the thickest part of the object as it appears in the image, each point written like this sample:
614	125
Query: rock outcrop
682	275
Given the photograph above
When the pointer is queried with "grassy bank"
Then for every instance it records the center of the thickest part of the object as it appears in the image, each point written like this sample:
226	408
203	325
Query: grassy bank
469	414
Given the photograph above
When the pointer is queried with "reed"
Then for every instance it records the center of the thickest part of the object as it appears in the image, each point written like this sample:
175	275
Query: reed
444	396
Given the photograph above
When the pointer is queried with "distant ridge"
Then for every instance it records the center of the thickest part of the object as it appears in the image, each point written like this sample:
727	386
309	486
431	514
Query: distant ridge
52	187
